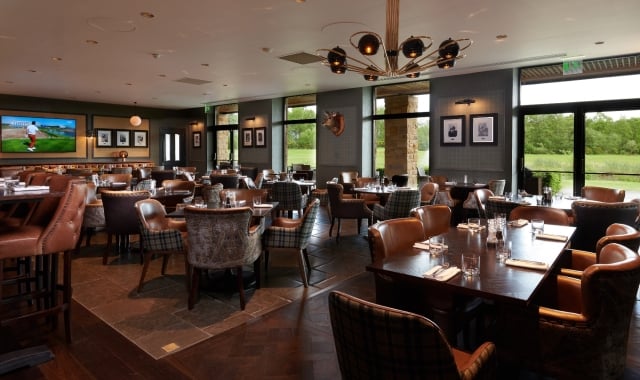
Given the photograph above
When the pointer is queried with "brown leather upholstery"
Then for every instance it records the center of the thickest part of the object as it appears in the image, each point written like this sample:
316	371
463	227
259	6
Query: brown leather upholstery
428	193
120	217
123	170
245	195
122	177
179	184
602	194
221	239
592	219
377	342
348	180
37	178
583	332
436	219
60	235
228	181
159	236
440	180
394	236
550	215
340	208
161	175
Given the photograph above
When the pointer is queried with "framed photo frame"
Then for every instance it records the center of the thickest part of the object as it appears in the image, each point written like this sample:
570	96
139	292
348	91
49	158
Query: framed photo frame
140	139
261	137
123	138
452	130
104	138
483	129
196	139
247	138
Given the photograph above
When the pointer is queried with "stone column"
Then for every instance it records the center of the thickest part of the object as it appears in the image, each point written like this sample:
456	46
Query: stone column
401	138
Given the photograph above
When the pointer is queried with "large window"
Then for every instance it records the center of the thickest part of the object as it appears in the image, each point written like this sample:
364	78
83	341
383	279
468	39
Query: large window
226	135
300	130
581	132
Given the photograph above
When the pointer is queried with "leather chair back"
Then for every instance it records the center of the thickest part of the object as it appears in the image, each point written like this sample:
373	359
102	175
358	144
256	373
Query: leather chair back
428	193
47	207
119	211
497	186
152	215
179	184
63	231
592	219
550	215
602	194
393	236
228	181
245	195
436	219
622	234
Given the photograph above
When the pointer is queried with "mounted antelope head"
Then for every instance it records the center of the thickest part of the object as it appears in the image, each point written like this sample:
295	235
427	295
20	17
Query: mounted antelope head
334	121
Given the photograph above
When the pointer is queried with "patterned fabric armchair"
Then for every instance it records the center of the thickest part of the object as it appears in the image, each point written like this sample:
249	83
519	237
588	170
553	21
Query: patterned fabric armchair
399	205
289	197
221	238
93	215
497	186
592	218
159	235
407	345
583	332
293	235
494	206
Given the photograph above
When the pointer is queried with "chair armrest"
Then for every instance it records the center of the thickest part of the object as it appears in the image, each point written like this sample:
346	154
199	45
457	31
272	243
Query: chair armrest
481	363
164	240
580	260
571	272
180	225
560	316
569	295
286	222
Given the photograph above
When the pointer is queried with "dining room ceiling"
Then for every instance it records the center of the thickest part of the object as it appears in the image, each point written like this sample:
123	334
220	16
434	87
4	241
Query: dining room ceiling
189	53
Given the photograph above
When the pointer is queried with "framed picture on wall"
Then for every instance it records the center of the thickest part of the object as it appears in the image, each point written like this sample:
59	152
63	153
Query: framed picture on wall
452	130
247	138
104	138
261	137
196	139
123	138
140	139
483	128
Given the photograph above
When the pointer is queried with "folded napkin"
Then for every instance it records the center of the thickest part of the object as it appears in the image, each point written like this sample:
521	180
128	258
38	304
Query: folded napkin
444	275
118	183
465	226
527	264
264	205
31	188
497	198
421	244
518	223
551	237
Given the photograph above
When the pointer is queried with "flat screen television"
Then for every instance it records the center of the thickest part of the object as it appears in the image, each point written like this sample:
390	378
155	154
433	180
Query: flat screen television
53	135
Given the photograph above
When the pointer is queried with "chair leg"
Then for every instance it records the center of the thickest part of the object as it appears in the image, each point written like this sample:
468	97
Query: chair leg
165	262
333	220
256	271
303	270
105	256
240	286
306	259
339	228
145	268
359	225
195	283
66	295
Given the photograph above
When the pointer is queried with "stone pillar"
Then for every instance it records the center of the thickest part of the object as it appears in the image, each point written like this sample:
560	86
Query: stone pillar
401	138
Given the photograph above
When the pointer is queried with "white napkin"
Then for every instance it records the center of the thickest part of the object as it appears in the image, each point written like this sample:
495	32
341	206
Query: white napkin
519	223
551	237
465	226
527	264
497	198
31	188
444	275
421	244
263	205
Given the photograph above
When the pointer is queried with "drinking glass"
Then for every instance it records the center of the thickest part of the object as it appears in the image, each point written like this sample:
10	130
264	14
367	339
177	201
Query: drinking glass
470	264
199	202
474	224
537	226
503	252
257	200
436	245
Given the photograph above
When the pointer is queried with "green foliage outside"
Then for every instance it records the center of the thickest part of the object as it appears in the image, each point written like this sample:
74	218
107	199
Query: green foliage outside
43	145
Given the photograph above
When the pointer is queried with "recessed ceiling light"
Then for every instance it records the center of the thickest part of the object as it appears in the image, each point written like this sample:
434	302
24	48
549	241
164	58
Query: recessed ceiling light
56	59
599	42
162	75
148	15
501	37
300	1
32	71
204	64
267	50
91	42
129	84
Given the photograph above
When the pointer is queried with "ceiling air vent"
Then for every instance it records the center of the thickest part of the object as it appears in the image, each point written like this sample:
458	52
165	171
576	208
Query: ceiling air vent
301	58
193	81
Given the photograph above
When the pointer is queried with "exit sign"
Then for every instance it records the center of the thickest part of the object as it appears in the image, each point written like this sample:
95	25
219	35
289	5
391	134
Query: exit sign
572	67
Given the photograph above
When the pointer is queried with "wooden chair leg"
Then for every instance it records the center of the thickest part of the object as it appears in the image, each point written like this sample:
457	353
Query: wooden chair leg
145	268
240	287
195	283
333	220
303	270
105	256
66	295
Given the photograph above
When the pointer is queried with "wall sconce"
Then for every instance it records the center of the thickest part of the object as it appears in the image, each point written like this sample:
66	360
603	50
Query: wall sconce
250	118
466	101
90	133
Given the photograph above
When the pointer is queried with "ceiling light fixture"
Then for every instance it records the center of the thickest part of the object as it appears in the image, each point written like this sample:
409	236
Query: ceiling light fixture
413	48
135	120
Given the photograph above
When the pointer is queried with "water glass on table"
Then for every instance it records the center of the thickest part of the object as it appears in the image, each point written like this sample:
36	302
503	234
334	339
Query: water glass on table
473	224
257	201
470	264
436	245
537	226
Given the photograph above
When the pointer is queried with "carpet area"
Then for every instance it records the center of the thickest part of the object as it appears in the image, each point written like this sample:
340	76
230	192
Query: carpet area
157	319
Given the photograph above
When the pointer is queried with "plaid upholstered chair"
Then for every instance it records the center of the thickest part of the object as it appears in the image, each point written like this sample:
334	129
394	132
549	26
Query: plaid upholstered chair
399	205
221	238
292	235
159	235
583	331
289	197
378	342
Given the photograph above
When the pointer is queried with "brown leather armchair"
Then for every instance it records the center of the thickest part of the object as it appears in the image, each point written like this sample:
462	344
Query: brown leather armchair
341	208
348	180
120	218
550	215
436	219
428	193
583	331
602	194
592	219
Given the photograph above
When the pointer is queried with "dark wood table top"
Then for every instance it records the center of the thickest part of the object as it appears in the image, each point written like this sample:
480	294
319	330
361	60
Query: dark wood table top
261	212
497	280
7	196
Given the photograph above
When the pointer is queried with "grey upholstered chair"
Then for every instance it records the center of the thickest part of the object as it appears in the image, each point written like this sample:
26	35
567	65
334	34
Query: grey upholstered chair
377	342
399	204
289	197
221	238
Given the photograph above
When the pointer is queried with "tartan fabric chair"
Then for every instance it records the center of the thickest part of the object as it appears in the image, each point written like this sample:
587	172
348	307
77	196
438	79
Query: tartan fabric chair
292	235
289	197
378	342
591	219
221	238
399	205
159	235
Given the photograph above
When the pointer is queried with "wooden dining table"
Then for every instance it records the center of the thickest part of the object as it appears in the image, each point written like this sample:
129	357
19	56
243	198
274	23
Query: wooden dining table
29	196
510	287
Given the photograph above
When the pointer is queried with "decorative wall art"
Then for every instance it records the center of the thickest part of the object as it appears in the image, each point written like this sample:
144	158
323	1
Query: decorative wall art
261	137
196	139
247	138
140	139
483	129
334	121
104	138
123	138
452	130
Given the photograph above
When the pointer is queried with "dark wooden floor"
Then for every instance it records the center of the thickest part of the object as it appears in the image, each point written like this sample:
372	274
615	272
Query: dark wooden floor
293	342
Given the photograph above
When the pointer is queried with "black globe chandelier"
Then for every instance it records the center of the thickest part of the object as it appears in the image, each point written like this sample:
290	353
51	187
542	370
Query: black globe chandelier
413	48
